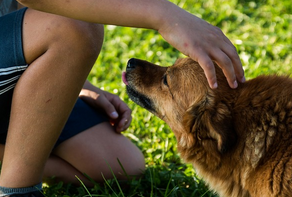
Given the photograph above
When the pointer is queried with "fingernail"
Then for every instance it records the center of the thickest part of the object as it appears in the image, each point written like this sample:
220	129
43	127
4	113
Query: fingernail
215	85
114	114
124	127
243	79
235	84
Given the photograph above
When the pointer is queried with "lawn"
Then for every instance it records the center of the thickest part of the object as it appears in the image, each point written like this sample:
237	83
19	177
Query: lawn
261	30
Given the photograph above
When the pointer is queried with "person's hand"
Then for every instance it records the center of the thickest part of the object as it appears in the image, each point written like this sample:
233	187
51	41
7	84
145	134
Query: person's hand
114	107
189	34
204	43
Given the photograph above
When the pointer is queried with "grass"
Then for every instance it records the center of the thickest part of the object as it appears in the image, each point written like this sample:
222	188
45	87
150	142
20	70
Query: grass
261	32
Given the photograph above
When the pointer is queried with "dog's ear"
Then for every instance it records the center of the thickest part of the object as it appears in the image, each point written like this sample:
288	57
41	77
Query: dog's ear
211	123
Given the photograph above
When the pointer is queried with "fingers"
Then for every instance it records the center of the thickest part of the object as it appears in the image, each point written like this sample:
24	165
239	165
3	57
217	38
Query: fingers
226	58
209	70
224	53
122	122
228	68
107	106
231	52
204	43
118	112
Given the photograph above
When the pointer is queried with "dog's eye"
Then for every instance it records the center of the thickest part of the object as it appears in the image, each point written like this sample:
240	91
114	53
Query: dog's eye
165	80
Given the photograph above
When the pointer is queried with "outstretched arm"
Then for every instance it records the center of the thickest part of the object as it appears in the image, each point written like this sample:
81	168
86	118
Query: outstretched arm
189	34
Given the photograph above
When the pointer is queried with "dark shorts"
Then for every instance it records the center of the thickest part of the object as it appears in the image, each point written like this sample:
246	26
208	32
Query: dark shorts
13	64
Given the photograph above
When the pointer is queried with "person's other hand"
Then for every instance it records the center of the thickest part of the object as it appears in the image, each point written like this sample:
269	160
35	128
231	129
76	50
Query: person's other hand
114	107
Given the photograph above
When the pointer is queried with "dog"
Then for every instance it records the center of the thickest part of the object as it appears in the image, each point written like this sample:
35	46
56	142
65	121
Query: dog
238	140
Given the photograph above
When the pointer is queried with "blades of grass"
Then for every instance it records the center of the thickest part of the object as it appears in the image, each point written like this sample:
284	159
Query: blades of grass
128	177
116	180
134	194
151	179
106	182
90	179
96	185
134	191
83	185
173	189
41	191
205	193
167	187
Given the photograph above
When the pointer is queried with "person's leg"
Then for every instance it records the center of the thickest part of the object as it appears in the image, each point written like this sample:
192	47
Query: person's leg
57	169
84	120
60	52
93	151
97	149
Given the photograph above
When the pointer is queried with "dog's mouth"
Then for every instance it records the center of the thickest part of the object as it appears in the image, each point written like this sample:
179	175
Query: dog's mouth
136	96
124	78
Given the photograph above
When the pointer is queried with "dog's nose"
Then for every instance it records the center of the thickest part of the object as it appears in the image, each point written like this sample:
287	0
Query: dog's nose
131	64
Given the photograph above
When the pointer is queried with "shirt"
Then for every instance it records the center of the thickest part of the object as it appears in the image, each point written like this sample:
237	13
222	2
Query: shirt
7	6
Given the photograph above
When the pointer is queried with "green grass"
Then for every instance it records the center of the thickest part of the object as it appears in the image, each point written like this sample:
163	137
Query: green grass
261	30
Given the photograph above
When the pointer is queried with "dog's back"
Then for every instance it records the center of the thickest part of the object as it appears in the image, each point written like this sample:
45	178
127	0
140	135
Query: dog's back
254	126
263	112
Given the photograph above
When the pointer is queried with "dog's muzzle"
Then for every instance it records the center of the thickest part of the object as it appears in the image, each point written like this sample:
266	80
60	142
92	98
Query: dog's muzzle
135	95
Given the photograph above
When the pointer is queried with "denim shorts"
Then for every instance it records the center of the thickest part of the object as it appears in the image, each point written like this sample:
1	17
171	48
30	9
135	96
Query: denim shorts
13	64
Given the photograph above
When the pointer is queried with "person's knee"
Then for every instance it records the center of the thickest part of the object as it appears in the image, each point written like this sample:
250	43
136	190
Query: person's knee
131	164
138	163
84	38
103	153
43	31
88	37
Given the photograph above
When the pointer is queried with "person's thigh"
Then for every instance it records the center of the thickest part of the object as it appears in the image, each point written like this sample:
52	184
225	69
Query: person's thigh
98	149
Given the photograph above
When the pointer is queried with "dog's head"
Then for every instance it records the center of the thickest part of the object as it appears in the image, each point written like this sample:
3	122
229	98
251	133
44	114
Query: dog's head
180	96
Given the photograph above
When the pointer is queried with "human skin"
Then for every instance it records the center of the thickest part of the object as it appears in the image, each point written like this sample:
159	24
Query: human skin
56	75
189	34
60	53
65	162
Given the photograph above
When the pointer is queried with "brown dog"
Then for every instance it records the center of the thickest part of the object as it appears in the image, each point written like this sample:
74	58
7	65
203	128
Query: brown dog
238	140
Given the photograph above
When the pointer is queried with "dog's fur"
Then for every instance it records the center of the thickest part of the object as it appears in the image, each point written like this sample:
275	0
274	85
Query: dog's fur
238	140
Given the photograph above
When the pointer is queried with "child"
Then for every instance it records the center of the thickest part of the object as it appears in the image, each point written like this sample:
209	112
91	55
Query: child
46	53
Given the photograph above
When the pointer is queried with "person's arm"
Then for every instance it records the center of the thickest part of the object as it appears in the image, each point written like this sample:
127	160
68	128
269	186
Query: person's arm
189	34
138	13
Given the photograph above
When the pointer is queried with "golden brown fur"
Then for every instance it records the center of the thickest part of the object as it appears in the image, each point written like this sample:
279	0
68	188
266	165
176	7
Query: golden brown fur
239	141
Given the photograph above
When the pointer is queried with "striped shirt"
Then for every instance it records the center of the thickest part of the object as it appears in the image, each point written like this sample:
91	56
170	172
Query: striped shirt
9	76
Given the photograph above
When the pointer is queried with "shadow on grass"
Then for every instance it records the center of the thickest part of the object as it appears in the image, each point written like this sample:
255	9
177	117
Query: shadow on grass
168	180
